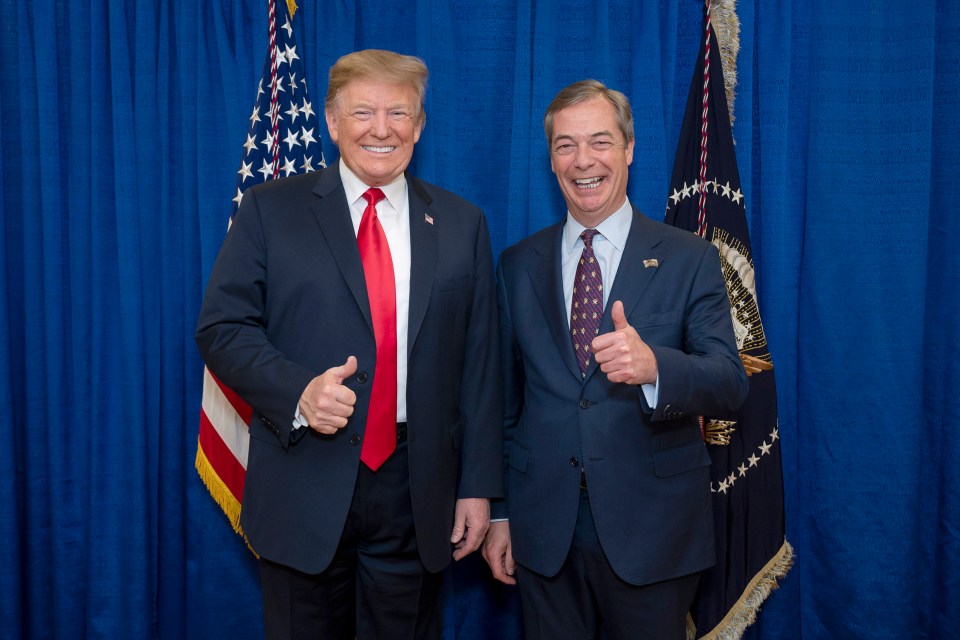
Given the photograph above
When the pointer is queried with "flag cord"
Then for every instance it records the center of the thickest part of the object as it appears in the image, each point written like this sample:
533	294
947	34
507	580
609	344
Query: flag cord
274	89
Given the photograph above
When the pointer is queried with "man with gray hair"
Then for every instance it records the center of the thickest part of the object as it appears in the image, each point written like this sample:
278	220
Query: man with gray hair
354	310
615	336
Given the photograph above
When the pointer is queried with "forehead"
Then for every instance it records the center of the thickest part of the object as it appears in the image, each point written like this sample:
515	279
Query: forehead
585	119
377	92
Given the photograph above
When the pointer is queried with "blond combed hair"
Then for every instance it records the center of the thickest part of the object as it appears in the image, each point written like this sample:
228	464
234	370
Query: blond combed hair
382	66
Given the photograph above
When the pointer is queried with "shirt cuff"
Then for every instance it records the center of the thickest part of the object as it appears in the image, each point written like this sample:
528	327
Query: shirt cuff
298	419
651	392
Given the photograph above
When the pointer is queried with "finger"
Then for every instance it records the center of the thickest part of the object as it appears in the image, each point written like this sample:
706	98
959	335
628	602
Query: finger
509	566
345	370
466	546
473	540
329	423
619	317
347	397
459	527
323	428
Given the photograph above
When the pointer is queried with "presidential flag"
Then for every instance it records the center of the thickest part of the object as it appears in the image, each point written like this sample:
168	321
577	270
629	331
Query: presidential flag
705	197
282	140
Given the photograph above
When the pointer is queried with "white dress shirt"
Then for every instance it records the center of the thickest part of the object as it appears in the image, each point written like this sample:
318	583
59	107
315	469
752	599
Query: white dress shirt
394	215
608	247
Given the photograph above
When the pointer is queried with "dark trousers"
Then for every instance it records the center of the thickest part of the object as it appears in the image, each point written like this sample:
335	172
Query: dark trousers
586	599
375	587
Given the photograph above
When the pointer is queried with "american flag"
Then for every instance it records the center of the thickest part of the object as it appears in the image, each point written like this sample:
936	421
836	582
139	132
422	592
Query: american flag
282	140
705	197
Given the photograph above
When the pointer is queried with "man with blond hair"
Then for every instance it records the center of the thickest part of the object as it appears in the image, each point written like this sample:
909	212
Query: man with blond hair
615	336
354	310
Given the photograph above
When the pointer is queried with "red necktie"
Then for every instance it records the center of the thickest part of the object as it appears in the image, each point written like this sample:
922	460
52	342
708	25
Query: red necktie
381	432
586	307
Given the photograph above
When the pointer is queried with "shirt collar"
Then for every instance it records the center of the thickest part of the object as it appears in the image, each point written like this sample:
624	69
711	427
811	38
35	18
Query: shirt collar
615	228
354	187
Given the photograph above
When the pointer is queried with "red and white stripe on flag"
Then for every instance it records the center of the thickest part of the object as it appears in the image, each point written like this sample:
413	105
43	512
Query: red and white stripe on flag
223	445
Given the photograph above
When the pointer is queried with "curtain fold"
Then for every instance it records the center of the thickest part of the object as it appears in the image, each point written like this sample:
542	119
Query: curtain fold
121	127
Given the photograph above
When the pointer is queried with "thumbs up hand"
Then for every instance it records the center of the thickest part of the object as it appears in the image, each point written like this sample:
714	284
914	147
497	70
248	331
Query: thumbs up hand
326	403
622	354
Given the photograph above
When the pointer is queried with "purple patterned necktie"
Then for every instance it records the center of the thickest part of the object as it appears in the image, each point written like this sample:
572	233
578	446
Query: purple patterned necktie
587	304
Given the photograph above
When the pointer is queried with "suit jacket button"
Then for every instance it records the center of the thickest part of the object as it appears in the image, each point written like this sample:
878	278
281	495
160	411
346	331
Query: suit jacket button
574	462
354	439
362	377
584	404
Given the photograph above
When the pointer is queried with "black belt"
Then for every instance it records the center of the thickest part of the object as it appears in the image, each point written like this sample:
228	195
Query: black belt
401	432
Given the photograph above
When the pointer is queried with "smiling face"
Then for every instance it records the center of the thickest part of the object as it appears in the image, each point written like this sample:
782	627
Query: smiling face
375	125
590	159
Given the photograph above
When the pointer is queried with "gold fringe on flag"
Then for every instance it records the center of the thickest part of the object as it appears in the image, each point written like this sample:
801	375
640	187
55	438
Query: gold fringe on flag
726	27
221	494
292	7
744	612
218	490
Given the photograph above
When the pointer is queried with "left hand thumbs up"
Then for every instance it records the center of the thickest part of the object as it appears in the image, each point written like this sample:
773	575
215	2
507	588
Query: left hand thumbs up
622	354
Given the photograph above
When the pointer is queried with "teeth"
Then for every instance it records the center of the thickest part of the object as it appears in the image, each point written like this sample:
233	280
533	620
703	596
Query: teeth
378	149
589	183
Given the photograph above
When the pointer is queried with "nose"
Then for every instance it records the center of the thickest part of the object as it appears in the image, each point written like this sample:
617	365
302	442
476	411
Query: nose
379	125
583	157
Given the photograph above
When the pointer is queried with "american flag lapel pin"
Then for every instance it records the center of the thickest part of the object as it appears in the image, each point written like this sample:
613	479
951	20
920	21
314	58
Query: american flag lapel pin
650	263
428	218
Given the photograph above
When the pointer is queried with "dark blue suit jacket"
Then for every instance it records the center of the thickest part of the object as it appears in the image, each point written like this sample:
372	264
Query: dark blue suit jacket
287	300
647	470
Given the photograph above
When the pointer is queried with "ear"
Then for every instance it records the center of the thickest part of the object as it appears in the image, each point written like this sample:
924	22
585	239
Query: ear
331	117
628	152
419	128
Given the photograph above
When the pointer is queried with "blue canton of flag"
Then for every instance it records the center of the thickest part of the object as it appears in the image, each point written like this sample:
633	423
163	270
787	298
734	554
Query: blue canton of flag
284	134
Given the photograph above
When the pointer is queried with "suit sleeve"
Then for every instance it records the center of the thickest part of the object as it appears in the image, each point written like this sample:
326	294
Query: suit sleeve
512	381
706	376
480	394
231	331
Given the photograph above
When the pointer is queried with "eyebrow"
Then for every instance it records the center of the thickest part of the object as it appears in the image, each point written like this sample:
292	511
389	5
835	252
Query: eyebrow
390	107
592	136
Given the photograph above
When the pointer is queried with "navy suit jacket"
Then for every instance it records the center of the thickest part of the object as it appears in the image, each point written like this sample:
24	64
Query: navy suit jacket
287	300
647	470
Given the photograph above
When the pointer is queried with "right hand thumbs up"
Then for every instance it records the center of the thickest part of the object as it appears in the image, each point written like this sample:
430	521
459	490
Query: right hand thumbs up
326	403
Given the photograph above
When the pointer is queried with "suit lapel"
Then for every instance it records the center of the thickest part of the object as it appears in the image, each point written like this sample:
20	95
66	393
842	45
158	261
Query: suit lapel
633	277
547	281
424	248
332	213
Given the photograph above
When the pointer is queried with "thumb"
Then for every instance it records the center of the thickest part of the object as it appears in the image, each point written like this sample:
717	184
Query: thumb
345	370
459	527
619	318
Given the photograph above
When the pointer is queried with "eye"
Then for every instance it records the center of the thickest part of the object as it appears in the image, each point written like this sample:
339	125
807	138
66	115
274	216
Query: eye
601	145
399	114
564	149
362	114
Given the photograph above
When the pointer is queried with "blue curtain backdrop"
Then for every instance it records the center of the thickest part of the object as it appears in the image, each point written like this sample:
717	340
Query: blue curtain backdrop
121	126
